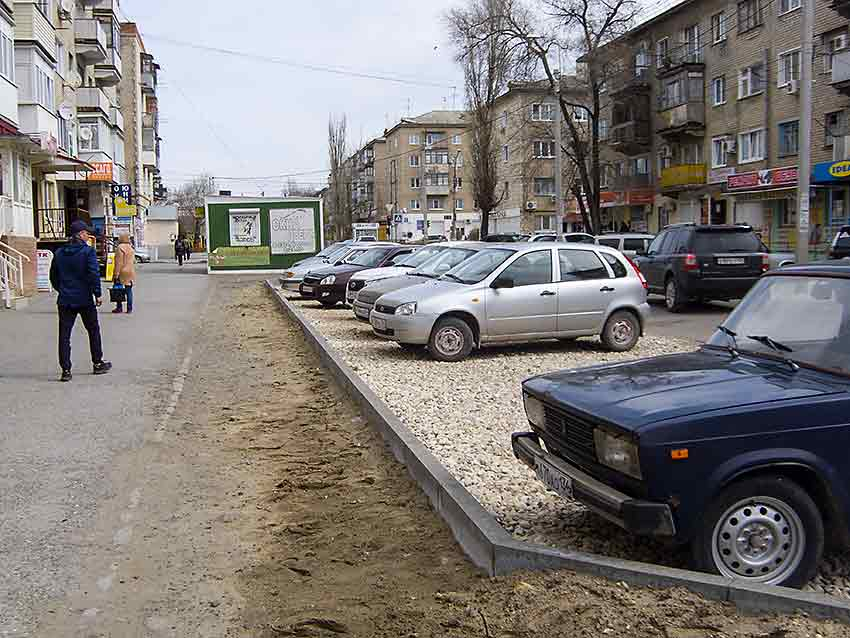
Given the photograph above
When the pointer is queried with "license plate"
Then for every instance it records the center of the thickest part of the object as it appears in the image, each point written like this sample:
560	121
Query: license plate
554	479
379	324
730	261
364	314
307	289
350	298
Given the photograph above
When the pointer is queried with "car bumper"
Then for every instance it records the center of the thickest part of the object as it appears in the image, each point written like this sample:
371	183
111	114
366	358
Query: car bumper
292	285
634	515
644	311
362	310
406	329
720	287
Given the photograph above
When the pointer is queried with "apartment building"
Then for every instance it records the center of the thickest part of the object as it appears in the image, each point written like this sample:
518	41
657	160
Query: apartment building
428	185
702	122
368	188
525	134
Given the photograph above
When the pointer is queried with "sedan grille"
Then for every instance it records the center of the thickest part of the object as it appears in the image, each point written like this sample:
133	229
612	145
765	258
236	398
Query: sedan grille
311	280
573	431
384	310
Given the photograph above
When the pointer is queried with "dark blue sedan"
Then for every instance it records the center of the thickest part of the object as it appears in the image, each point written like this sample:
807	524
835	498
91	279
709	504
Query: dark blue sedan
739	449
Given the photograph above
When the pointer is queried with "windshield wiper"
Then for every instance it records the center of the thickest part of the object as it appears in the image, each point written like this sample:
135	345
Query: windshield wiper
732	349
776	347
455	277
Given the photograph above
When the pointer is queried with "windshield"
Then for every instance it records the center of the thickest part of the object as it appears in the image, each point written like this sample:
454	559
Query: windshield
442	262
726	242
336	253
328	250
354	254
782	309
479	267
370	258
420	256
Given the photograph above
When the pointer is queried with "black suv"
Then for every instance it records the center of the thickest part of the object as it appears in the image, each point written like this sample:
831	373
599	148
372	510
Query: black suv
688	262
840	248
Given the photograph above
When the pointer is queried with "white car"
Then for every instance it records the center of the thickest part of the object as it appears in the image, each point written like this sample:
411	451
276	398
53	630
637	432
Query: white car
294	275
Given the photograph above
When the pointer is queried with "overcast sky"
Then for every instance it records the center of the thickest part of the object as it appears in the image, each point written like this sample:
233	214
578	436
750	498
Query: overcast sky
232	116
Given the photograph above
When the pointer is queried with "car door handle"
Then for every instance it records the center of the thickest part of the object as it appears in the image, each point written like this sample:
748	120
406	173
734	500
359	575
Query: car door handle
606	289
547	293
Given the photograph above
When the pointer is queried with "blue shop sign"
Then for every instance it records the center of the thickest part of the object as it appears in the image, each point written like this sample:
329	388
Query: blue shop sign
831	172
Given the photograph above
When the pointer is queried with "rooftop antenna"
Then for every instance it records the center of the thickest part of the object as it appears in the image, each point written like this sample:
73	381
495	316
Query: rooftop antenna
454	98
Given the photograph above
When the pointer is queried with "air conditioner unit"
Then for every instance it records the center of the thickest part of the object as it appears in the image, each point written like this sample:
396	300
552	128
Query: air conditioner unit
531	205
730	146
792	87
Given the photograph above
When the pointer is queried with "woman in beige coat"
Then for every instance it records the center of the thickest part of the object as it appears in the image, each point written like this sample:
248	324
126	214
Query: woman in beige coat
125	270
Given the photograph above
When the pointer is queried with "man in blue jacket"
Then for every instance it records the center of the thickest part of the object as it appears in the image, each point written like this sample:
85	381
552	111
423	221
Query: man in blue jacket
75	274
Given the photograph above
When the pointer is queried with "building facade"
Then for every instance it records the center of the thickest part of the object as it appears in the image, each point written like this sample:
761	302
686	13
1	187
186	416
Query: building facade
702	122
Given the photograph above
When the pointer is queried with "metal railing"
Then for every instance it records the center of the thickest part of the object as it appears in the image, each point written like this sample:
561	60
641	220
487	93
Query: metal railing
11	272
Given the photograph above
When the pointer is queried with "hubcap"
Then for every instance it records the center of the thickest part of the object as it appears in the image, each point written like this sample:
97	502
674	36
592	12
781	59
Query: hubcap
670	294
449	341
760	540
622	331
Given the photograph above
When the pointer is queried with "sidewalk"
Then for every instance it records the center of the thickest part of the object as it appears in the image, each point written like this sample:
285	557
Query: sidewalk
59	441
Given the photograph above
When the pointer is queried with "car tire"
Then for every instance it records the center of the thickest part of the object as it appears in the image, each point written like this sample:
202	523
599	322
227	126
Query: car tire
672	295
621	331
451	340
784	519
328	303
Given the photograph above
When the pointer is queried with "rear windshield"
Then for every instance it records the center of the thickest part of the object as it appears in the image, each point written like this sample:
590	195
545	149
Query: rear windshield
726	242
637	245
371	257
611	243
420	256
442	262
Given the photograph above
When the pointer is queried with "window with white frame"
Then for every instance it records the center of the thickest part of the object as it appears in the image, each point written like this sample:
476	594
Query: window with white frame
751	146
691	153
661	48
718	152
436	157
603	129
788	67
504	119
544	112
413	140
832	124
433	138
61	59
832	44
46	7
544	148
718	90
414	204
506	154
690	42
89	134
413	161
7	57
435	203
458	204
43	88
580	114
546	222
718	27
437	179
789	137
750	81
459	159
415	182
788	5
665	158
640	166
455	139
458	183
749	15
544	186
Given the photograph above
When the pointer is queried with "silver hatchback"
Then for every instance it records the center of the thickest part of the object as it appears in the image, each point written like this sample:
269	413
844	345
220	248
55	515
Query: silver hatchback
519	292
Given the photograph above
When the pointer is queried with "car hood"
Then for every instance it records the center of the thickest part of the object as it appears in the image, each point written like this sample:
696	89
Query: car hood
636	394
431	289
371	274
342	269
377	289
299	271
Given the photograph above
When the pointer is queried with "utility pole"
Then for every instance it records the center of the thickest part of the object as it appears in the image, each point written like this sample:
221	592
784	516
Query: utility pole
805	171
559	186
453	235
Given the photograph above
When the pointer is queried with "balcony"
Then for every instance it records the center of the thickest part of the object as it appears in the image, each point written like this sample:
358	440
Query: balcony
629	82
681	119
31	25
148	83
841	7
630	137
104	7
679	60
149	120
149	158
682	177
117	118
108	72
841	70
91	41
93	99
622	183
437	189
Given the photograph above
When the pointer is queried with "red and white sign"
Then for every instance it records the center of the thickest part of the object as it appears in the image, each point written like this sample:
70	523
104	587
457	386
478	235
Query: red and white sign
766	179
640	197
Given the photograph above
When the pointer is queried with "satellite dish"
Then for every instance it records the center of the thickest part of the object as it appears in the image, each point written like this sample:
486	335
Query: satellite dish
67	6
66	111
85	134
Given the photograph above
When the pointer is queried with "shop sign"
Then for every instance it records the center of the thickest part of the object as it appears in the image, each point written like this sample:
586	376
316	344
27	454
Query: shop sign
720	175
612	198
831	171
292	231
641	197
245	227
124	192
102	172
42	277
768	178
240	256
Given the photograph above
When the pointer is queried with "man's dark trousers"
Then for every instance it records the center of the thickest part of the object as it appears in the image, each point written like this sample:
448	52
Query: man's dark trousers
67	318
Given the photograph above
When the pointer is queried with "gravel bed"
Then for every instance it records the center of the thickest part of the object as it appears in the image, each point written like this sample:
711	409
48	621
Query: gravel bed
465	413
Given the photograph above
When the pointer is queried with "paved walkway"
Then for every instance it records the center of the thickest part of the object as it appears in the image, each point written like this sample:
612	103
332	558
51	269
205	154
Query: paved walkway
59	442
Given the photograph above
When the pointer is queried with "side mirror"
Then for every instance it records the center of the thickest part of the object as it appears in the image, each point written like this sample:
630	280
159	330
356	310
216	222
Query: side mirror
502	282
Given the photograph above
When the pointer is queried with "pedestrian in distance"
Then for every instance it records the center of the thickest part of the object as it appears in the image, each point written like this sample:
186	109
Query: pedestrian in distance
179	249
75	275
188	249
125	271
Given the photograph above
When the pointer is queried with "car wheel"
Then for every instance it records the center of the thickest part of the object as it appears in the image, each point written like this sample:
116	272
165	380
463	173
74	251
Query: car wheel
764	530
328	303
672	295
621	332
451	340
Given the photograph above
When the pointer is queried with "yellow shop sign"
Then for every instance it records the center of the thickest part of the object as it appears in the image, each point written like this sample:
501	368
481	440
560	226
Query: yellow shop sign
840	169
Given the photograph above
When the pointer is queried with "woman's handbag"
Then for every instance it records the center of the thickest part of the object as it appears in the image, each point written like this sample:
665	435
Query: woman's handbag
117	294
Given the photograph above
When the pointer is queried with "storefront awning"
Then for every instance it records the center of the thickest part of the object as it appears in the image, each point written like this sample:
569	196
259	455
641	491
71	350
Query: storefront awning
62	162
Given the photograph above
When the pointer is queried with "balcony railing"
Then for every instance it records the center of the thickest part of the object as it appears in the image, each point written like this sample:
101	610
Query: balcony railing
628	182
635	79
677	58
51	224
102	6
437	189
681	115
149	120
117	118
633	133
683	175
841	71
148	82
109	72
91	40
89	97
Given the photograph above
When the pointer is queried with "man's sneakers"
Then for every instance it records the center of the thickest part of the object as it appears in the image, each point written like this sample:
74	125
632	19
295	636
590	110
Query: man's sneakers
102	367
66	376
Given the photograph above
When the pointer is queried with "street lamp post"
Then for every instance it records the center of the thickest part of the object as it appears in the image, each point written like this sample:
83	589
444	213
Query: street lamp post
454	199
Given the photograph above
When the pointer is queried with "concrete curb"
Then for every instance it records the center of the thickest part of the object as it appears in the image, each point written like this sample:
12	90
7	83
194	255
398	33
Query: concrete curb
491	548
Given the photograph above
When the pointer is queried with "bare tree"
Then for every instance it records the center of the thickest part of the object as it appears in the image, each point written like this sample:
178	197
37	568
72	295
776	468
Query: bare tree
188	197
340	178
294	189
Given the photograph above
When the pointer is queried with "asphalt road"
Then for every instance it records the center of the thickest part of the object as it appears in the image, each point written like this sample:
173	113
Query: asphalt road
59	442
697	322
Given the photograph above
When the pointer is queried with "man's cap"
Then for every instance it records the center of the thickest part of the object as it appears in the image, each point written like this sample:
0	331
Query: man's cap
79	226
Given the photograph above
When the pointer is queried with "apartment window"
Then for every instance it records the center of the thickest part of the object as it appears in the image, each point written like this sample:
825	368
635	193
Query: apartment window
414	204
832	127
749	15
89	134
544	186
788	5
415	182
640	166
504	119
543	112
435	203
641	59
505	153
455	139
458	183
718	152
7	57
690	42
413	140
751	146
458	204
665	159
45	7
718	27
413	161
544	149
833	45
789	67
459	159
44	87
691	153
661	48
789	138
603	129
434	138
437	179
580	114
507	189
61	59
436	157
750	81
718	90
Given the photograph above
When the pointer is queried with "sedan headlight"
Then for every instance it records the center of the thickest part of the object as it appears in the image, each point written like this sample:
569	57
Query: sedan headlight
618	453
327	281
289	274
406	309
534	410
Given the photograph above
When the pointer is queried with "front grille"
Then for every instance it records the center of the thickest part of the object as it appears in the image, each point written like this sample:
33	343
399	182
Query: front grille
312	280
356	285
573	431
384	310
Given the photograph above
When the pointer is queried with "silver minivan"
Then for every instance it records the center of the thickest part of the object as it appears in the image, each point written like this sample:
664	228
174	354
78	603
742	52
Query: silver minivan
519	292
